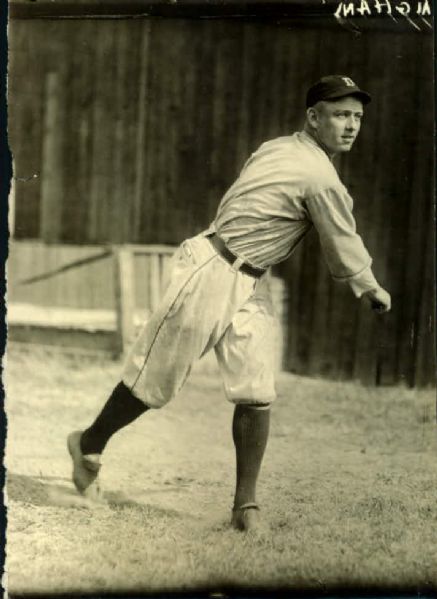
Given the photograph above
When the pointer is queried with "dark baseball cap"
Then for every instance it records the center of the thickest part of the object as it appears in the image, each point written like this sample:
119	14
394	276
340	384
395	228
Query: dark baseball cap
333	87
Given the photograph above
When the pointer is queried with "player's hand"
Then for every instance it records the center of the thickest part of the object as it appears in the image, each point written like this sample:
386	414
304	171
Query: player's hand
380	300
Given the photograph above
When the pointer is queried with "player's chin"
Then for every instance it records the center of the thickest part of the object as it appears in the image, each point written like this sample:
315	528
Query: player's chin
345	146
346	142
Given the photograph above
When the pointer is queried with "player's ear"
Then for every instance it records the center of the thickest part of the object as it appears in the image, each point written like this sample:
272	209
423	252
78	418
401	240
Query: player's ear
312	117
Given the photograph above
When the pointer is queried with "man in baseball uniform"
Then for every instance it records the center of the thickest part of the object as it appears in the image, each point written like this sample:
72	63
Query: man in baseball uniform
218	295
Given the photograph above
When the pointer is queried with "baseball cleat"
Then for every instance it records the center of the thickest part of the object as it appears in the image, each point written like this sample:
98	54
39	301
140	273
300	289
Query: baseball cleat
85	468
245	517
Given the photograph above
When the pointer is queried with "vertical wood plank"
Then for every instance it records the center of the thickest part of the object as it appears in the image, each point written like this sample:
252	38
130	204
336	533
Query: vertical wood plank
52	160
103	118
26	96
124	297
99	143
425	350
141	145
119	192
414	230
154	281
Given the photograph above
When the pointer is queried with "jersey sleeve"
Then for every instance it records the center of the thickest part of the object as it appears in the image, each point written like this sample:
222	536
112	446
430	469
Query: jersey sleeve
347	258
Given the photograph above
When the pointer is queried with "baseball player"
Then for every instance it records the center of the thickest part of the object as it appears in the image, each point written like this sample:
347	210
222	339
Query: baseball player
218	295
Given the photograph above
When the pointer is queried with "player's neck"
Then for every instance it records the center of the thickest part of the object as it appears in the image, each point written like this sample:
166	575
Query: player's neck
313	134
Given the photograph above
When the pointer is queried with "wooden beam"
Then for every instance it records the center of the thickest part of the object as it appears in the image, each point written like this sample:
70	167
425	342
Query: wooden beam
152	249
124	287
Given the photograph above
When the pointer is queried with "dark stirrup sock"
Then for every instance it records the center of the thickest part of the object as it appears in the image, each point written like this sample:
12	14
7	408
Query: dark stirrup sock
121	409
250	431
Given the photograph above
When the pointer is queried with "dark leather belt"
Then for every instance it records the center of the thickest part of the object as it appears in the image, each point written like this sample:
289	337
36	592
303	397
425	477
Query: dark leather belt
220	247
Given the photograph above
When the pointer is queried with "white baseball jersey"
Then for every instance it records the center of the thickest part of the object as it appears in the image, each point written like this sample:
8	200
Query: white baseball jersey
288	185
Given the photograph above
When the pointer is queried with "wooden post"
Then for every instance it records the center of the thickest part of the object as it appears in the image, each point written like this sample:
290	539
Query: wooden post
124	286
154	281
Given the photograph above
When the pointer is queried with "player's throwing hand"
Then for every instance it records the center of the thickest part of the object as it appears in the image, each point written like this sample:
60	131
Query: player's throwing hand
380	300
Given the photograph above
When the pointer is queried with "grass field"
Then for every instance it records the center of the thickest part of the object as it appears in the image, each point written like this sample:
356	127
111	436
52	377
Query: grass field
348	488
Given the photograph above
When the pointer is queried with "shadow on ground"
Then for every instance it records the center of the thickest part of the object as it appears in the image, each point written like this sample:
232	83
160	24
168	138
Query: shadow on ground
53	491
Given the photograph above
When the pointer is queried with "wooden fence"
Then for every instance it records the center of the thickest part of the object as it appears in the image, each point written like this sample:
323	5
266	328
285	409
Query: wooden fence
125	285
57	292
65	292
129	131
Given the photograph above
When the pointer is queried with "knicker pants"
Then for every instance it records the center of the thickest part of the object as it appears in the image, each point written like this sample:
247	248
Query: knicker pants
207	304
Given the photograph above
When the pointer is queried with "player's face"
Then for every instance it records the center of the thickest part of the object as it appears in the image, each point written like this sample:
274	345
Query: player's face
338	123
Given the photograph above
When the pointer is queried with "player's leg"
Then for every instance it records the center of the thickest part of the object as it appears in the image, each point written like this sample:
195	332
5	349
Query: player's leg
200	296
124	404
86	446
250	431
121	409
246	354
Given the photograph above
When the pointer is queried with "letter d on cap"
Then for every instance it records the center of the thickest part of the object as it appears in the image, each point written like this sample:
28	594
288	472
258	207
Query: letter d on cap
348	82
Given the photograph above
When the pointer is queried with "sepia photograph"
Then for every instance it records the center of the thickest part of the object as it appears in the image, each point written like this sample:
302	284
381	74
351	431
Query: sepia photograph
219	372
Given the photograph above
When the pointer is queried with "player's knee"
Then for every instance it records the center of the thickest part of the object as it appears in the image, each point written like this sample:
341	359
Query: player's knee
154	398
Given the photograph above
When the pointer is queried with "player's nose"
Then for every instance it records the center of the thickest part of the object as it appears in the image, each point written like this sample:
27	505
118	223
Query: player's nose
352	124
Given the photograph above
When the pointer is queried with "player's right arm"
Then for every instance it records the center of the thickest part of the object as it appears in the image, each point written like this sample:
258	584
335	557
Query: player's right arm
348	259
